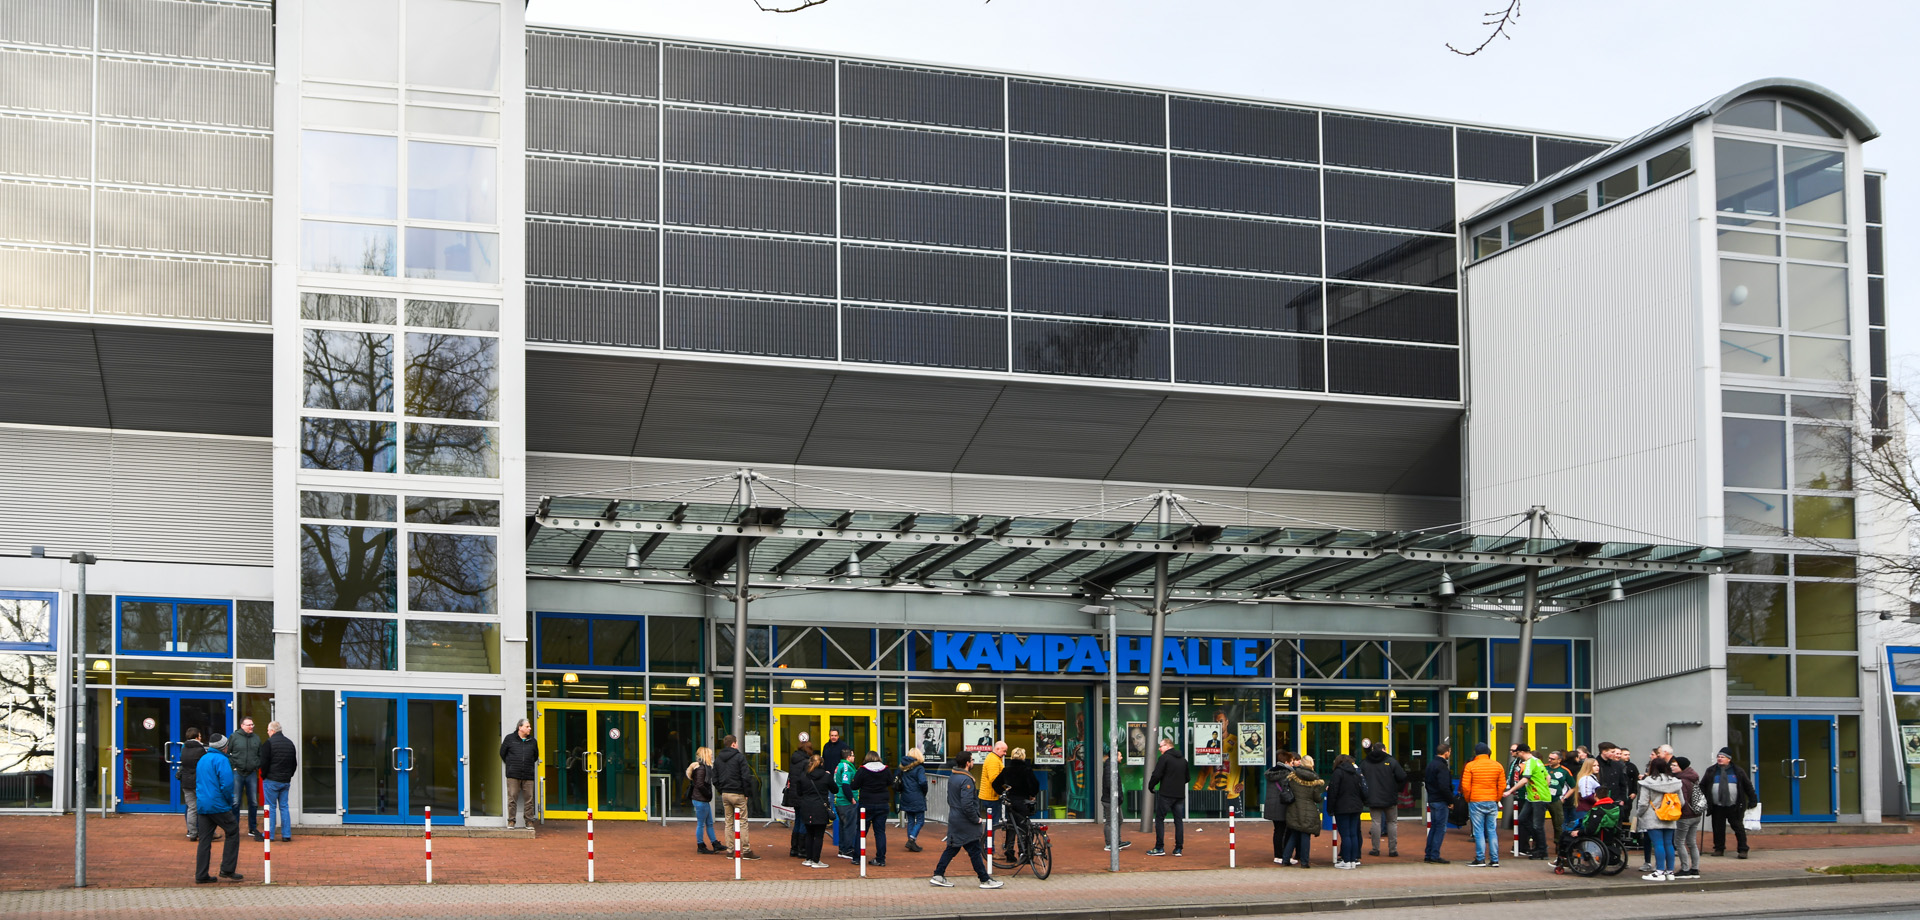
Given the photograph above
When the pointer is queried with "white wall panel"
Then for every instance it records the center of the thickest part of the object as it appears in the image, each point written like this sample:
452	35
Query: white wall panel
1653	635
1586	376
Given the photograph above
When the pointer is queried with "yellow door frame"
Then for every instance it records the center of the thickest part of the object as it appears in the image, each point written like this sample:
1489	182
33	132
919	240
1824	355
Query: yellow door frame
1498	734
826	716
1344	720
596	759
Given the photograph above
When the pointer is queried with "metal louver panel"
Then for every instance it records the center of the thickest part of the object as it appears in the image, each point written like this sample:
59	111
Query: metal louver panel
1393	146
1387	201
44	82
43	147
186	93
186	159
749	78
621	130
593	315
1056	228
1393	370
928	97
752	264
192	499
1246	303
1248	188
1245	130
1086	113
592	252
592	64
1076	171
743	141
736	202
162	222
43	279
54	23
927	338
605	191
922	157
1246	245
1090	349
1097	291
1653	635
787	329
1235	359
200	31
918	276
43	213
914	216
183	289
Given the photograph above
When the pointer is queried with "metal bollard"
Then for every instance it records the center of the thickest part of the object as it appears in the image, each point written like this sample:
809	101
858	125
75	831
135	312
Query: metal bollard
266	848
863	843
736	844
1231	856
589	845
989	844
429	839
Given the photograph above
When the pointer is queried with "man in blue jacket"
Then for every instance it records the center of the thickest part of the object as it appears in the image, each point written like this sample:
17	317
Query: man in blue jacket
1439	782
213	786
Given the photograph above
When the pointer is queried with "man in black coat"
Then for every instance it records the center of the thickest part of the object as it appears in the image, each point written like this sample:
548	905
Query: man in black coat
277	767
520	753
1385	777
963	825
733	778
834	750
1729	793
1169	787
191	750
1439	783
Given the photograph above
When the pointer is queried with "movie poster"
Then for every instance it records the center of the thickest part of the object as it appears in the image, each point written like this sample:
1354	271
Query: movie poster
1253	744
930	735
1049	742
1136	744
1209	743
1910	740
979	738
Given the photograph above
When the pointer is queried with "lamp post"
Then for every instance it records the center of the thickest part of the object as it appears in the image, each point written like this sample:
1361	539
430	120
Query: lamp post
79	735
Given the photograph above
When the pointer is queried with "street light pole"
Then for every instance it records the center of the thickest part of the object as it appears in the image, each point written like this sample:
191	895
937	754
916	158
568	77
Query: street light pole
79	734
1536	519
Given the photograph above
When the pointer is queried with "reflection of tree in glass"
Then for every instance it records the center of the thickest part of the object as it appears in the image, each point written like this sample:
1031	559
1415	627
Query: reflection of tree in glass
348	370
346	444
346	642
1087	350
347	568
348	308
422	509
452	376
28	691
1756	614
451	450
203	628
450	573
24	620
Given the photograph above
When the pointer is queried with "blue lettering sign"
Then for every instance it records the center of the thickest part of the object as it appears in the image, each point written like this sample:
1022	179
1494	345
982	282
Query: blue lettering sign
1050	653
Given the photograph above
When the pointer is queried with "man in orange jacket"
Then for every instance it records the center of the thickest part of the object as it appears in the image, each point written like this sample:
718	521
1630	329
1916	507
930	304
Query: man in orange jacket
1481	785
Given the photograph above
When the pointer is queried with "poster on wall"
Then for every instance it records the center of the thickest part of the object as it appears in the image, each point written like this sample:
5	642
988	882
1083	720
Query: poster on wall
930	735
1208	743
979	738
1253	744
1049	742
1136	744
1910	742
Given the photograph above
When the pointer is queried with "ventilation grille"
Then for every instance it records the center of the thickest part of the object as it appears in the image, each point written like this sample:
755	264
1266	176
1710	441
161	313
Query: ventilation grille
582	64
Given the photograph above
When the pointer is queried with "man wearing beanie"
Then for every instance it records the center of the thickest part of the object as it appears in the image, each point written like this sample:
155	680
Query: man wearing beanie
1481	784
1729	794
213	781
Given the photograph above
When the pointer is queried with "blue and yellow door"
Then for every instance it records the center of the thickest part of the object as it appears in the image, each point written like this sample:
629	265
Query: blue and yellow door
593	756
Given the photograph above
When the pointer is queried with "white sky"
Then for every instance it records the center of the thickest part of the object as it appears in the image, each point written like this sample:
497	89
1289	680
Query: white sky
1609	69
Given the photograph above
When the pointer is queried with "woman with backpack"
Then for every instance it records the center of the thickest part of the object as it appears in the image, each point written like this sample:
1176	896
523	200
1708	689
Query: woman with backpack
1279	800
812	785
1656	811
1686	832
912	785
1346	799
700	791
1303	812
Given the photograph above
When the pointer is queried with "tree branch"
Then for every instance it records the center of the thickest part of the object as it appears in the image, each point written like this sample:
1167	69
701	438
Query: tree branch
795	7
1498	19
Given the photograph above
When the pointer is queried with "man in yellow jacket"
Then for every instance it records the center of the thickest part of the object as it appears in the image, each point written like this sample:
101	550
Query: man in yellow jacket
990	771
1481	784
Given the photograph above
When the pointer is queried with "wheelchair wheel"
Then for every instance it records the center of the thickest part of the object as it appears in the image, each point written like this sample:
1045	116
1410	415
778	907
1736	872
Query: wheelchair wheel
1587	857
1042	856
1616	858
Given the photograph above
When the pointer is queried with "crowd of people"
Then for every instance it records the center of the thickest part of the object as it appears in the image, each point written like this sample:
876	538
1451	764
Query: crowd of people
219	777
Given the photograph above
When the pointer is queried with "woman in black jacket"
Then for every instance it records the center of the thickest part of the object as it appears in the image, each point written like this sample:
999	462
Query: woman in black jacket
1346	799
813	785
700	793
874	784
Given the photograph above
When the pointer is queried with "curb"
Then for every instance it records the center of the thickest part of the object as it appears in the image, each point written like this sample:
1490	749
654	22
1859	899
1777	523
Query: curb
1442	899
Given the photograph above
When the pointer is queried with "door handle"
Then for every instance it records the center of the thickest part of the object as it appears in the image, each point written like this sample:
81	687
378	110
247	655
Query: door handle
395	755
1800	768
172	751
595	761
409	767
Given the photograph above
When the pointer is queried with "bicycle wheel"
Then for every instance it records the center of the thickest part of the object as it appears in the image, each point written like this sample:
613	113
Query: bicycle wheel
1587	857
1042	857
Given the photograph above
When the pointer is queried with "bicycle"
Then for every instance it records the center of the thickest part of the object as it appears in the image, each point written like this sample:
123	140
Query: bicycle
1025	844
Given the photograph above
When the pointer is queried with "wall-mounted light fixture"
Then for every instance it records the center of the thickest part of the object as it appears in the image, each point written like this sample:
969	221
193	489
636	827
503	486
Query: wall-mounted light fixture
799	683
693	681
1139	689
569	678
963	687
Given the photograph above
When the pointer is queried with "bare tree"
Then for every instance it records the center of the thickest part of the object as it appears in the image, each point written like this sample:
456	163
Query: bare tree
1871	459
1498	19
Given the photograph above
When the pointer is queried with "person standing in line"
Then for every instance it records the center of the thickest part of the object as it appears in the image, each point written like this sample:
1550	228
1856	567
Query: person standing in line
213	788
1686	831
1438	781
797	765
1346	799
832	754
989	773
1482	783
845	837
243	750
873	790
282	761
1279	798
1385	778
833	751
733	778
913	796
1531	793
1308	790
1559	795
519	755
1652	816
1108	796
812	785
1729	794
963	825
191	750
700	793
1169	787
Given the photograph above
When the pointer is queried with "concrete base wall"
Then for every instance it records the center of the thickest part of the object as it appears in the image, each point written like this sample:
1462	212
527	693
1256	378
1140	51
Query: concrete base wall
1637	716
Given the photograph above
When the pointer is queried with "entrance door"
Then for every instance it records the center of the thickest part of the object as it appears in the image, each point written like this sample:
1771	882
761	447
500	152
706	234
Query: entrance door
1795	767
594	756
402	754
859	730
152	733
1545	734
1328	736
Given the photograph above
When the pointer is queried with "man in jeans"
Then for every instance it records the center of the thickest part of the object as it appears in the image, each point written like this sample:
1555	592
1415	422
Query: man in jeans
191	750
519	755
1531	792
1481	783
733	779
1439	782
277	767
244	749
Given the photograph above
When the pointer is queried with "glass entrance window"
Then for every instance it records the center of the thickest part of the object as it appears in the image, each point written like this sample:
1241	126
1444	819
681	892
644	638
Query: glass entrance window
152	740
618	733
594	758
1050	722
563	749
1237	781
373	757
673	734
402	755
1795	765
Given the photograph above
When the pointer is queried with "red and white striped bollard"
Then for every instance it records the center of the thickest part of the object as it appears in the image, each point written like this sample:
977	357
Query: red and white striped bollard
736	844
589	845
1231	855
1515	827
863	843
989	844
266	848
429	839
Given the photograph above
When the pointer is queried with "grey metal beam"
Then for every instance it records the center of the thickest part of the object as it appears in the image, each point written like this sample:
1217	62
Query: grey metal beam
1017	554
592	538
809	548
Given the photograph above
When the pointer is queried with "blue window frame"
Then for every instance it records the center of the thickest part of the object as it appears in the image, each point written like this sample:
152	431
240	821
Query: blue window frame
599	643
1903	667
22	629
174	627
1559	647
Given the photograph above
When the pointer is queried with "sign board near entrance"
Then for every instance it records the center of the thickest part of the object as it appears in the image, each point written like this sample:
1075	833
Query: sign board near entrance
1046	653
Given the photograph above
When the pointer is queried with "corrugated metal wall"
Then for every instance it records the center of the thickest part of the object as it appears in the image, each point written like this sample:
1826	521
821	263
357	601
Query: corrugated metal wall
1585	372
971	494
136	496
1654	635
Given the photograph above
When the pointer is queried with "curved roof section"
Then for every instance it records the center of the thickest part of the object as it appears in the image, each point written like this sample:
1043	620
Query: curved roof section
1818	97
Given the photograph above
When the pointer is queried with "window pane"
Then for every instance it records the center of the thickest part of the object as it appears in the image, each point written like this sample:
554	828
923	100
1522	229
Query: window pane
452	376
616	643
348	370
347	249
473	512
1749	403
563	640
446	314
340	113
451	573
453	255
202	629
348	642
450	182
253	629
1817	299
453	43
31	693
1822	457
347	568
347	506
1760	564
1759	513
1663	166
1486	244
1816	185
1753	453
1759	244
1826	675
1750	353
1756	614
1526	225
452	450
673	644
346	444
25	621
349	175
1749	293
352	39
1797	120
1757	675
1824	615
1823	359
348	308
1570	207
1755	114
1746	177
455	648
1814	516
1619	185
1826	566
461	122
146	626
1550	665
1799	247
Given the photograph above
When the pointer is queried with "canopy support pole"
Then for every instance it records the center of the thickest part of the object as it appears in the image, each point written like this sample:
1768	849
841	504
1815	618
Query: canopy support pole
1529	602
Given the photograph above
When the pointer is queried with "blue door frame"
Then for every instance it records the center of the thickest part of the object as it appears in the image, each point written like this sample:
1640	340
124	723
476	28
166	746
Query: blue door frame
171	747
1798	726
401	756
